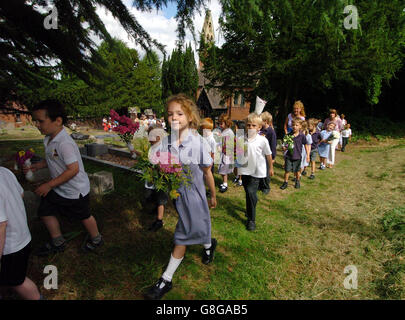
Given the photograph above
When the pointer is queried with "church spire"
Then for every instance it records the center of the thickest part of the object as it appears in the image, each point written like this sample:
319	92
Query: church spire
208	28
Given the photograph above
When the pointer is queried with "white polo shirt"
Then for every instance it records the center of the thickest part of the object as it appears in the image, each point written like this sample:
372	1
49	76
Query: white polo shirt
12	210
60	152
258	148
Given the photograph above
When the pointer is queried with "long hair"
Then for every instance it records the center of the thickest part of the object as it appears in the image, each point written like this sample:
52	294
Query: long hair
188	106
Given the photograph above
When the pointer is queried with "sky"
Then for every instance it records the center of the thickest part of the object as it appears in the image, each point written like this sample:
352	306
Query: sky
160	25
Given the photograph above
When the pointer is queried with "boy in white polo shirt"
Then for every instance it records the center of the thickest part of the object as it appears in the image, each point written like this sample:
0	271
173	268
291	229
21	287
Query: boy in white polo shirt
68	191
15	238
256	168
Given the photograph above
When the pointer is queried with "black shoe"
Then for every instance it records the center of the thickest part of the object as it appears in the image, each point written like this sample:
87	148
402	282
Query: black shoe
156	225
158	290
207	258
266	191
49	248
312	177
251	225
90	246
297	184
284	185
223	188
304	173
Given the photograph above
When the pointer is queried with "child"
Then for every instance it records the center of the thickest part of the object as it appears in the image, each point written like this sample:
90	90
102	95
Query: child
68	191
15	238
194	225
316	137
227	152
346	135
240	133
259	166
270	134
306	149
293	160
207	126
158	198
324	144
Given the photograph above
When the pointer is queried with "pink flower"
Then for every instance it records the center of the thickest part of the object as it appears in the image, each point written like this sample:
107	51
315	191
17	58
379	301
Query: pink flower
114	115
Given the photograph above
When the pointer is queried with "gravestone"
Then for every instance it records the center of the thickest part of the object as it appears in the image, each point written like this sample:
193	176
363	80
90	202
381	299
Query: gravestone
95	149
31	203
101	183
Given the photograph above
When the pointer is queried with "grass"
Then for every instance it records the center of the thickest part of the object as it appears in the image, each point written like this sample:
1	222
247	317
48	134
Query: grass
350	215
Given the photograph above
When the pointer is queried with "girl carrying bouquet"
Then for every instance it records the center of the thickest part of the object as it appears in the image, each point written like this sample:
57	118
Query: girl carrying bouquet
194	224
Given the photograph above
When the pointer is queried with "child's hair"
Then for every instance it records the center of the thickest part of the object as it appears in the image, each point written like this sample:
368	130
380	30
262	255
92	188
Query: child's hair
342	115
312	122
254	118
241	125
330	124
333	111
188	106
225	118
154	131
267	118
301	106
296	120
304	127
347	126
207	123
53	108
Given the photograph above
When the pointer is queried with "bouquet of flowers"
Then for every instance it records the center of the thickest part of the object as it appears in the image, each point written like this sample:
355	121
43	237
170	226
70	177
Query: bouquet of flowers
23	158
288	142
334	135
126	129
164	171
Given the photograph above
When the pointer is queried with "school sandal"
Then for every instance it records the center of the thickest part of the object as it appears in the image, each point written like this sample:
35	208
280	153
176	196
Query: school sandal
157	291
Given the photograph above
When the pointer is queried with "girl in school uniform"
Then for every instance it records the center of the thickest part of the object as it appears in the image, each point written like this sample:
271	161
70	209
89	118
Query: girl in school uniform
194	224
325	144
227	154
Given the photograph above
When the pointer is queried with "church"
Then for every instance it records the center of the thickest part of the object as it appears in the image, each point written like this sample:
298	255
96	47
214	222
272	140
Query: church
210	101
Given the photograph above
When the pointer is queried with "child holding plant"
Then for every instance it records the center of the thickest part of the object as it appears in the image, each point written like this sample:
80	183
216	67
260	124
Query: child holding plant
293	152
192	152
259	166
324	144
68	190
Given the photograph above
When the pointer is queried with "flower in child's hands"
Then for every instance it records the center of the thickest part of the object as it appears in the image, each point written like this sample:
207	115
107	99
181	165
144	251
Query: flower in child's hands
334	135
174	194
288	143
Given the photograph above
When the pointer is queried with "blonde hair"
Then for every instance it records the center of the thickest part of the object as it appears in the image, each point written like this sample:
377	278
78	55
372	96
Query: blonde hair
267	118
299	104
254	118
207	123
304	127
296	120
188	106
312	122
226	119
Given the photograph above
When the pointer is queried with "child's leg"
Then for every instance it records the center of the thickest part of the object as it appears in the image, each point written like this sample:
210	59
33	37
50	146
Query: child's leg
91	226
175	259
28	290
52	225
251	186
313	165
286	175
160	212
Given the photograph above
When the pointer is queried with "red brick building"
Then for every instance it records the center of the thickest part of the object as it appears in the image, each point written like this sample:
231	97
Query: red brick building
15	113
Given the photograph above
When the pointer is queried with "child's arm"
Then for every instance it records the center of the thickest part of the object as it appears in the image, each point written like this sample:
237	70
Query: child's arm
3	226
36	166
209	179
308	150
270	163
69	173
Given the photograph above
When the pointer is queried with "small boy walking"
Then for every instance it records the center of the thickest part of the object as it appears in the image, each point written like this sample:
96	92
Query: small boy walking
68	191
293	159
258	160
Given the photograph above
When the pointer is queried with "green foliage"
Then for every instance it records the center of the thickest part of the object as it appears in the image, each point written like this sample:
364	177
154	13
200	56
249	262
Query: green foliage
179	73
283	49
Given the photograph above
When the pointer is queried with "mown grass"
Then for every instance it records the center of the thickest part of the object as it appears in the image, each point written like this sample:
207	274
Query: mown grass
349	215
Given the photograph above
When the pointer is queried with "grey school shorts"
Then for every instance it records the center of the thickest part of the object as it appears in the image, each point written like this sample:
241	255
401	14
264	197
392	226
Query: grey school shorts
313	154
292	165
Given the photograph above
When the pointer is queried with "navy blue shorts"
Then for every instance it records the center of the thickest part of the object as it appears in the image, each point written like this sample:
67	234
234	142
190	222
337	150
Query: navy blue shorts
14	267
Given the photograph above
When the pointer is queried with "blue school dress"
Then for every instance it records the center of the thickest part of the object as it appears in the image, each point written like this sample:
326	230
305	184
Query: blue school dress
194	224
323	148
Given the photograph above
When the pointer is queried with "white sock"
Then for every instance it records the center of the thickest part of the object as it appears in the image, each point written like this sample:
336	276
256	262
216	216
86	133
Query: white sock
206	247
171	268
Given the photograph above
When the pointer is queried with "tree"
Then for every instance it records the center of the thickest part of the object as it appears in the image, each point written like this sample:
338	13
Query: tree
179	73
26	46
130	81
285	49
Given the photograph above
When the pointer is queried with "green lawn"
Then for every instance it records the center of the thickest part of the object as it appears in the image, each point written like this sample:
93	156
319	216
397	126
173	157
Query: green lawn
353	214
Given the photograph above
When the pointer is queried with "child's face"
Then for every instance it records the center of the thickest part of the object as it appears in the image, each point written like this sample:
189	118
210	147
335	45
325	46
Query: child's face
311	127
296	127
253	129
176	117
331	126
45	124
223	125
